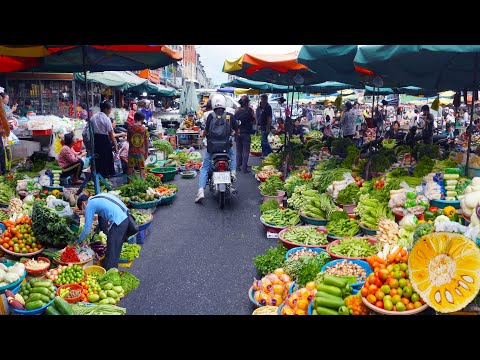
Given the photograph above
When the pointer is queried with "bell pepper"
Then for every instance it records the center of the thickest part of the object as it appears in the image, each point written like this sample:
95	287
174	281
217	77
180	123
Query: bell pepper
411	195
433	209
440	212
429	215
454	217
410	203
343	310
422	221
449	210
45	192
423	203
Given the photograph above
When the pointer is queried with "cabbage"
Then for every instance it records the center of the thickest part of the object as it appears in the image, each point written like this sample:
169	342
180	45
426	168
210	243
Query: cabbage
11	277
409	222
29	199
440	219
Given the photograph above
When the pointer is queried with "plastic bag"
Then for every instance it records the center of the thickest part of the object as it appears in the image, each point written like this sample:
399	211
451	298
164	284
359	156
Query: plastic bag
66	211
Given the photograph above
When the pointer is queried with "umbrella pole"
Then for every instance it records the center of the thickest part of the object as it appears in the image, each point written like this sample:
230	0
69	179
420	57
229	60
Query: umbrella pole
475	89
96	184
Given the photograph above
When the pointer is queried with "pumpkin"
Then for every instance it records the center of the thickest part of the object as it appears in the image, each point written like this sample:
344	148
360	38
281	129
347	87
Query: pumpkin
444	269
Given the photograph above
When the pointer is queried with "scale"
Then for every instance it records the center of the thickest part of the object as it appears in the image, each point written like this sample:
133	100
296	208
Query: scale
151	159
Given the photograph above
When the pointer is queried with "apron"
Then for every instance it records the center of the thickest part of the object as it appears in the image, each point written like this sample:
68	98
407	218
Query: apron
104	162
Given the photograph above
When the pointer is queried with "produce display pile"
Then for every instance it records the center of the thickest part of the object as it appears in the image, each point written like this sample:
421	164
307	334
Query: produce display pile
306	236
271	186
281	217
316	205
354	247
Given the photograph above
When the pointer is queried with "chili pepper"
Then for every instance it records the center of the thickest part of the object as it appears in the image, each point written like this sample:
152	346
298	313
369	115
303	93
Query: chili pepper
440	212
69	255
428	215
433	209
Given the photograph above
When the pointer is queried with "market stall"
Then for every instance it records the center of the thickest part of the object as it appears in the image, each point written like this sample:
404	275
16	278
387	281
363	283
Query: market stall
348	245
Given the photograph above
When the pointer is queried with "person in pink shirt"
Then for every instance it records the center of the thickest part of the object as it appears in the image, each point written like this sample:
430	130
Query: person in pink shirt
123	154
69	160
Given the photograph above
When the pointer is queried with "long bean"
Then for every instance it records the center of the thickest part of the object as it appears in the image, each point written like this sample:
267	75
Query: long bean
80	309
306	236
354	247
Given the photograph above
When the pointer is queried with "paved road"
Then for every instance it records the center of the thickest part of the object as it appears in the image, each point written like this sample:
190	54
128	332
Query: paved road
198	258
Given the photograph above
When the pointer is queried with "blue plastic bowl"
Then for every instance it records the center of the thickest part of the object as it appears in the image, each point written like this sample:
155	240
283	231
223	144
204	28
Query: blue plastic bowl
441	204
280	309
15	284
31	312
295	249
290	290
362	263
250	296
310	307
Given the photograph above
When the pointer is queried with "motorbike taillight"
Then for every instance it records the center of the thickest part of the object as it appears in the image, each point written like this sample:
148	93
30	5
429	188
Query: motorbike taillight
222	166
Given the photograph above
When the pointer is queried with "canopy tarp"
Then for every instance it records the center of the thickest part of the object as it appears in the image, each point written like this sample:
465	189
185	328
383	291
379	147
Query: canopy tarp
246	91
280	69
120	79
378	91
153	89
226	90
188	99
326	87
442	67
331	62
259	85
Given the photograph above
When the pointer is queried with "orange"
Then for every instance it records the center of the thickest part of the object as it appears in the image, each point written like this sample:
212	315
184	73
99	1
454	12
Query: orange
302	304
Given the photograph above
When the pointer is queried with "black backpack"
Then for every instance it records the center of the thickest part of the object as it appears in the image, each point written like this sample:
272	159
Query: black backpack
218	136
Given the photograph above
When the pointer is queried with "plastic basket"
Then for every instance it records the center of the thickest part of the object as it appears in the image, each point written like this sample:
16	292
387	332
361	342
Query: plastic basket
278	198
367	231
290	245
144	226
361	263
167	199
312	221
14	284
31	312
168	172
41	132
335	256
295	249
39	271
51	188
94	268
140	237
72	287
444	203
145	205
188	174
132	239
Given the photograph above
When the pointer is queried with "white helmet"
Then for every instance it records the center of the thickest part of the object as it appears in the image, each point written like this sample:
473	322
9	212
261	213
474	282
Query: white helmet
218	101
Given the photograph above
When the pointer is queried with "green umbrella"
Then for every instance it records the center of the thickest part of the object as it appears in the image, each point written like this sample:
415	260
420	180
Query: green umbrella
331	62
152	89
441	67
369	90
259	85
118	79
326	87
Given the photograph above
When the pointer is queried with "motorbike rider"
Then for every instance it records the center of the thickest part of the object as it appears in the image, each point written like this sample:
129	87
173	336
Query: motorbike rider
217	118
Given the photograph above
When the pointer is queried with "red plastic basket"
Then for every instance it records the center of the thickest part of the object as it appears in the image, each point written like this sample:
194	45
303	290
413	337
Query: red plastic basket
72	287
78	145
41	132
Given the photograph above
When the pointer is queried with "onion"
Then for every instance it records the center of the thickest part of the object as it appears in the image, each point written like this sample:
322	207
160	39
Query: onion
55	277
54	272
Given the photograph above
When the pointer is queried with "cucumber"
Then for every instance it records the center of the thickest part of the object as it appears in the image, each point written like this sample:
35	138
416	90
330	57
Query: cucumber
333	290
118	289
108	286
40	290
34	305
334	281
102	294
63	306
104	301
324	294
52	310
325	311
52	295
35	297
111	300
112	294
43	283
329	302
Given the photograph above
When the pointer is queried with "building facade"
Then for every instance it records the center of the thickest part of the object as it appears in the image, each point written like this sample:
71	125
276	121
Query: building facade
189	62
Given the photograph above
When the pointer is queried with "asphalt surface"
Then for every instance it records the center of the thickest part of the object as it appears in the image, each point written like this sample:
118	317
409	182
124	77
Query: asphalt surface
197	259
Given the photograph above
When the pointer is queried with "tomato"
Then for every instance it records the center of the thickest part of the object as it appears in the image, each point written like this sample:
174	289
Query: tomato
27	247
372	289
39	246
10	248
393	283
378	283
400	291
410	306
417	304
396	299
402	283
387	304
20	235
415	297
404	274
364	292
403	267
397	275
371	279
407	292
383	274
385	289
405	300
379	304
366	284
379	295
400	306
371	299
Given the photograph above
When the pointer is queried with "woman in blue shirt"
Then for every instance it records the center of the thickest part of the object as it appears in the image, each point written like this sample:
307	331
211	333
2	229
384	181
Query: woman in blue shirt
113	221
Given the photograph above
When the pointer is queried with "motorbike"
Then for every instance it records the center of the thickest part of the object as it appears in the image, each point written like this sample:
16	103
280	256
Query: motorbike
219	179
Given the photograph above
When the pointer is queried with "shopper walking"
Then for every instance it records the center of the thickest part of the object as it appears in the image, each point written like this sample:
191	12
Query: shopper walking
264	119
83	111
137	136
245	119
328	111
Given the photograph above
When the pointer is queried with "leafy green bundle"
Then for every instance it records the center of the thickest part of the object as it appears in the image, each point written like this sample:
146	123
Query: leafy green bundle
273	258
50	228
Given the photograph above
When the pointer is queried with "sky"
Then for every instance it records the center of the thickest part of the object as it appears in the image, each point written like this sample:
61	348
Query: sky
213	56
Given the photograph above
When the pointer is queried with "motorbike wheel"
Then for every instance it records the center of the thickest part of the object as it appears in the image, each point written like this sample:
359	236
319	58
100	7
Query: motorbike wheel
221	199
